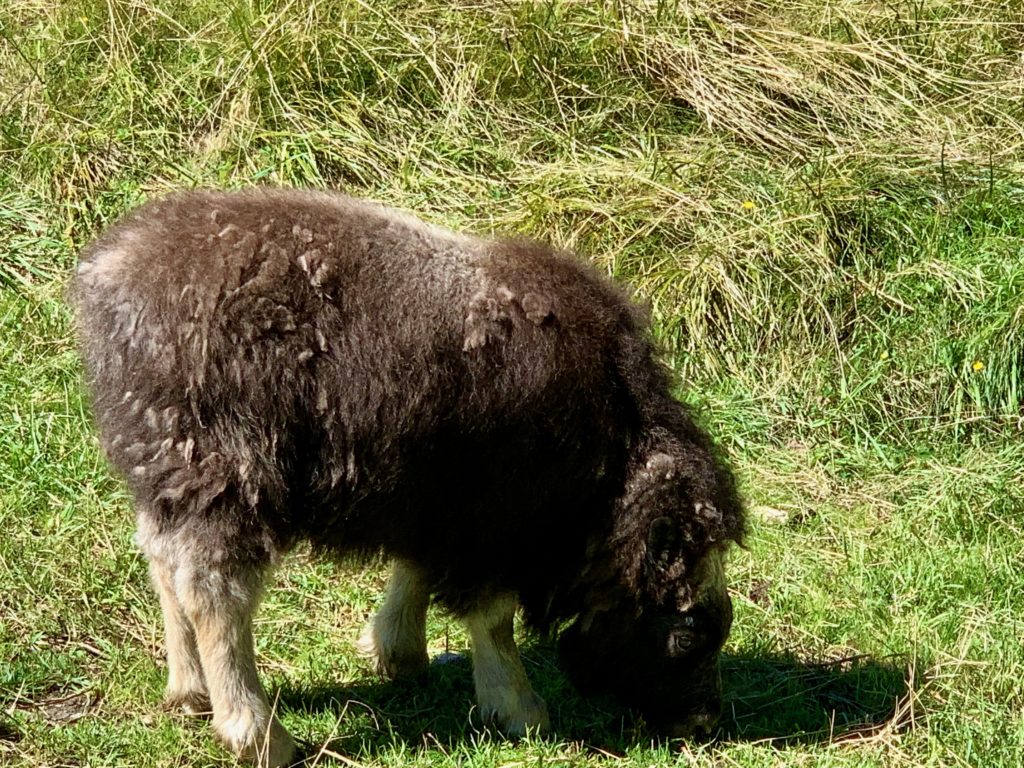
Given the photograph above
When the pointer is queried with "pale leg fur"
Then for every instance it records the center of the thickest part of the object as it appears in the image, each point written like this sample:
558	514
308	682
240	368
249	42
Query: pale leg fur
503	691
396	637
186	685
219	605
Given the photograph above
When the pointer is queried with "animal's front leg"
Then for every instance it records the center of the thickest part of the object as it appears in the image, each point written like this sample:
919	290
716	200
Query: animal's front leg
396	638
503	691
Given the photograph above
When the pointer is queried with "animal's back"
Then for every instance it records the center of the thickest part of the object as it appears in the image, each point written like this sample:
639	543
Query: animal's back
191	282
354	376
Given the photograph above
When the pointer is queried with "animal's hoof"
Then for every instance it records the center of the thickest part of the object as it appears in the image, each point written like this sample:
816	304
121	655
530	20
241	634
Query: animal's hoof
189	702
269	746
527	717
392	662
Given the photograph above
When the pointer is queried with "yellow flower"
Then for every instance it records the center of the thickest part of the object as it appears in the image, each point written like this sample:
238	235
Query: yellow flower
977	366
884	355
748	205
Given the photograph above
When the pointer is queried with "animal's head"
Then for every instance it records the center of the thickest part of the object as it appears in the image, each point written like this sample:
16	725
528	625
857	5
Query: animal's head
654	643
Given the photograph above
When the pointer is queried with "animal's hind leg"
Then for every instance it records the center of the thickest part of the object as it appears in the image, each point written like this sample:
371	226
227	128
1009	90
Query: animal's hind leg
503	691
219	601
186	684
396	638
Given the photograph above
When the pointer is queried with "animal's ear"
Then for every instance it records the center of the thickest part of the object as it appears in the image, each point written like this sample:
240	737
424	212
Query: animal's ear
664	543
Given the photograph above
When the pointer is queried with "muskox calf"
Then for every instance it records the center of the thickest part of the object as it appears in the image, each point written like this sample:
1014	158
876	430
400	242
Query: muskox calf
271	367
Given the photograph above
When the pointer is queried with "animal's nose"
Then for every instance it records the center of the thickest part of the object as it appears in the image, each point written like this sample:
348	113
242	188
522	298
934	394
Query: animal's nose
697	727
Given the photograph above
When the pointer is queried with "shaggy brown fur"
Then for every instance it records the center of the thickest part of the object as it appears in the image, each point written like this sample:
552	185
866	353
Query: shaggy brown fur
275	366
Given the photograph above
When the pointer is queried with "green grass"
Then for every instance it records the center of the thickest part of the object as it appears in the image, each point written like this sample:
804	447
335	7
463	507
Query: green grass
823	204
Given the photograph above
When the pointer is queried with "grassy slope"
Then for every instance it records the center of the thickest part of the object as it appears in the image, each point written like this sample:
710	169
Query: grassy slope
822	202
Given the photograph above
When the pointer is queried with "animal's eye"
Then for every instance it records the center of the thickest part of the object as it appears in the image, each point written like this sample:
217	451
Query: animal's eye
680	643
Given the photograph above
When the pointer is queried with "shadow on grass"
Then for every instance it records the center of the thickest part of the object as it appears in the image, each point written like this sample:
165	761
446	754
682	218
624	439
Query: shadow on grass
784	702
768	699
